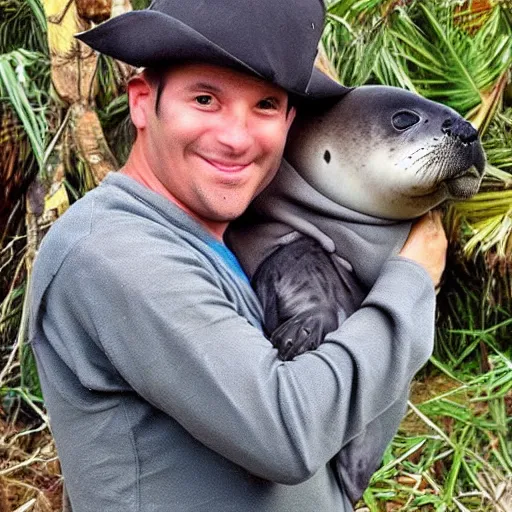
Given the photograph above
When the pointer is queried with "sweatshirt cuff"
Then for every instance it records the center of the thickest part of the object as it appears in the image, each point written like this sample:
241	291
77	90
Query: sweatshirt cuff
409	265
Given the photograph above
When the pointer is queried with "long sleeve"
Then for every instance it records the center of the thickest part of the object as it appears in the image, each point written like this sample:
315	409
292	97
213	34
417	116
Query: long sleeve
161	387
172	333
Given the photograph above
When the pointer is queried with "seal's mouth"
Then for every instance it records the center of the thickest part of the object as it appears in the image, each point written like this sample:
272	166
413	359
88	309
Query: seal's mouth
465	185
472	172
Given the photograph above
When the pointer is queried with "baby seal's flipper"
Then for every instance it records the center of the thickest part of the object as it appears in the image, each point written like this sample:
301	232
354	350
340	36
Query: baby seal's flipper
302	294
304	332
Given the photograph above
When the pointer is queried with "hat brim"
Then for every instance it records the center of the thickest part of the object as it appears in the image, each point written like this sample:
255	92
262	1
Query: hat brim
152	39
321	86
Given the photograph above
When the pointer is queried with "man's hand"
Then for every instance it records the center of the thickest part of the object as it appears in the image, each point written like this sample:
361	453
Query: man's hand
427	245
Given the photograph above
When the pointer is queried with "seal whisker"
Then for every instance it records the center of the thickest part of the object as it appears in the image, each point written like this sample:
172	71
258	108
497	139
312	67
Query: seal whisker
436	163
427	161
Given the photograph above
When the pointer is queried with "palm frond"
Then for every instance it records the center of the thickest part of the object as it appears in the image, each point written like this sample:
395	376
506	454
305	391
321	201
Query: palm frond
420	47
356	39
22	25
19	87
498	142
489	219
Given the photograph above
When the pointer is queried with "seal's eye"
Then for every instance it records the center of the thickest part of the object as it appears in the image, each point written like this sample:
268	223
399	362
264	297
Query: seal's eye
403	120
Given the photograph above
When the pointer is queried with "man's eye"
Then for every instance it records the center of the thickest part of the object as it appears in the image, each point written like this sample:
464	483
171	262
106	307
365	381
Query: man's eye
268	104
204	99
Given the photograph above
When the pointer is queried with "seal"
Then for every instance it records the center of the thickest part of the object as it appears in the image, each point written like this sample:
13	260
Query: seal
387	152
356	172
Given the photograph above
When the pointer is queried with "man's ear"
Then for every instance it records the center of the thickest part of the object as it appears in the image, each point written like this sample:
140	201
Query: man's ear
139	100
290	116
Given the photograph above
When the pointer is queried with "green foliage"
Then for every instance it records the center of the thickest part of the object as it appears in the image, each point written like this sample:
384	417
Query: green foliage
140	4
21	75
358	41
24	90
498	141
418	46
22	25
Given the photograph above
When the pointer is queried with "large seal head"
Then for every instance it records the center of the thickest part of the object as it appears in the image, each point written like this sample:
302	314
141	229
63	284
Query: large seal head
386	152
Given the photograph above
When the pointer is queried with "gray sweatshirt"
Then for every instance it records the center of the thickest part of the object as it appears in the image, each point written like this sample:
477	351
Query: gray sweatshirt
162	391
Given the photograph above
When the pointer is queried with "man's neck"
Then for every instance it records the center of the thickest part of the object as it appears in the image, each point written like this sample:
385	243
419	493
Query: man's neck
138	169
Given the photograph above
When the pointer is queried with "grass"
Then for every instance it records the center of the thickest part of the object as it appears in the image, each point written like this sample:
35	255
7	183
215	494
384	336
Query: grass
453	451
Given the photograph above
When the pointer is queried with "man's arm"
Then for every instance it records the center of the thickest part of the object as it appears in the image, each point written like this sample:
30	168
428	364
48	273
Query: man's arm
168	327
358	459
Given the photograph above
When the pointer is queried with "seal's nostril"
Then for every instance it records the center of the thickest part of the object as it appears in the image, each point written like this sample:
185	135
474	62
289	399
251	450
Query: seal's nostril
461	129
327	156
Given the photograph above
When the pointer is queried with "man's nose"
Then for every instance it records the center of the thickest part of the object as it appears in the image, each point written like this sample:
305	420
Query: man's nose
235	131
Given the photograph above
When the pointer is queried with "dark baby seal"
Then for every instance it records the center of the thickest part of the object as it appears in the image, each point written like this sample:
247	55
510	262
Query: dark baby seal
355	174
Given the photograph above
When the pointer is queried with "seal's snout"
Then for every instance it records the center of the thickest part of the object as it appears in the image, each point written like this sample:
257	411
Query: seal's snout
460	128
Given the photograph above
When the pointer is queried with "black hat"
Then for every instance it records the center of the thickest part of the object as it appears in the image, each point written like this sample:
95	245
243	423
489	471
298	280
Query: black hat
275	40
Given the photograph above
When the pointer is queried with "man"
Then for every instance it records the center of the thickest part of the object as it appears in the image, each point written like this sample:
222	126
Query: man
163	393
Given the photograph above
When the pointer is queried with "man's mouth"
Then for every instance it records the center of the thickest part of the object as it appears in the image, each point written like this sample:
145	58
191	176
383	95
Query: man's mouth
227	166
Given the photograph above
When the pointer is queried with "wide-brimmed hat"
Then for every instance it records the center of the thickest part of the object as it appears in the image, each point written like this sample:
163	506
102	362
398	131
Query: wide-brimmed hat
275	40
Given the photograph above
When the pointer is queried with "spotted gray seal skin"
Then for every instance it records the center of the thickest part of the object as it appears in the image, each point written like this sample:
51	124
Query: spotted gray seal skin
387	152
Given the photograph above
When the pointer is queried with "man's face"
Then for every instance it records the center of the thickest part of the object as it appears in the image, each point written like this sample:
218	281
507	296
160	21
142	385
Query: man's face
216	140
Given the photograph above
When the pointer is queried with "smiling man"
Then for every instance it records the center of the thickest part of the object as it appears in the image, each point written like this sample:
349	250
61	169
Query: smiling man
163	393
221	132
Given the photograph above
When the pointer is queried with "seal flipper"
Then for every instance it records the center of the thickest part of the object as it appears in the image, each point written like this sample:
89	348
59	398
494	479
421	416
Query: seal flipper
304	295
304	331
306	292
358	460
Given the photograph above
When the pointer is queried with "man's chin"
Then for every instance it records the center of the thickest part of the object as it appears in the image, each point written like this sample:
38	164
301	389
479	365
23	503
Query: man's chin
217	221
227	217
228	209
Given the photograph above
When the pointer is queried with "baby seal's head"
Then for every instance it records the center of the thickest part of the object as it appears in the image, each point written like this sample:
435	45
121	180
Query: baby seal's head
387	152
